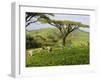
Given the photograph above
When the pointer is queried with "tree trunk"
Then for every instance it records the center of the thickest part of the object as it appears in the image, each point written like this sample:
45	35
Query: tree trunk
64	41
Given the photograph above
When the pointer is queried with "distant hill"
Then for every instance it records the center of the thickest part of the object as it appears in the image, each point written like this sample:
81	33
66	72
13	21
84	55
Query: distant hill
76	36
84	29
47	31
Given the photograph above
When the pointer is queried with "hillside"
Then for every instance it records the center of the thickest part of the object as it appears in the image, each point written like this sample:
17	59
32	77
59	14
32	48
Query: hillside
75	52
76	36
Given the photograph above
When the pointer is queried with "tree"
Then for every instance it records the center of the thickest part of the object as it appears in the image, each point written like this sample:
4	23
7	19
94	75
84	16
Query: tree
35	17
65	27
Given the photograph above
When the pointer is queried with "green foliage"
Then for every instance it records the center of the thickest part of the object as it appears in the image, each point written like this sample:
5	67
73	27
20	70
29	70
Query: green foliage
65	27
76	51
73	56
63	22
54	36
32	43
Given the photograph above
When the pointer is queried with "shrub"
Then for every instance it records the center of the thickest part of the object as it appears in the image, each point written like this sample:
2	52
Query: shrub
32	43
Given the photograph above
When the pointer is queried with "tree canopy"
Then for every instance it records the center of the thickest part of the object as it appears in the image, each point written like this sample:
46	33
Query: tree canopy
35	17
63	22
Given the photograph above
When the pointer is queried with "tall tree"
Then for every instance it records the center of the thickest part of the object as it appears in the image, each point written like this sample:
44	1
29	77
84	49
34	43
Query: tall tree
65	27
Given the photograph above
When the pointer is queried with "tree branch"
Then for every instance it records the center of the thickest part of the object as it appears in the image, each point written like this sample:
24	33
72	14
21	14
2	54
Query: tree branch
31	22
29	18
76	27
51	23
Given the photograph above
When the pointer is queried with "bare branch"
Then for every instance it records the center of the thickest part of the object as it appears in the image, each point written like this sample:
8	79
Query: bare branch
75	27
28	19
31	22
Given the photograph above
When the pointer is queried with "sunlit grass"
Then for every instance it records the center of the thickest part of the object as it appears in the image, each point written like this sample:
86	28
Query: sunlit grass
73	56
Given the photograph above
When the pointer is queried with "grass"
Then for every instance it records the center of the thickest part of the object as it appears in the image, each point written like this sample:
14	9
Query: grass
73	56
77	54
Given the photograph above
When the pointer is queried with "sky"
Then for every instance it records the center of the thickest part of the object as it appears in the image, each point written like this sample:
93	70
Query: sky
78	18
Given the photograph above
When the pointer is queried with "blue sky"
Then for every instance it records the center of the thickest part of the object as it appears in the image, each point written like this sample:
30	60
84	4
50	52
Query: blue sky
85	19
